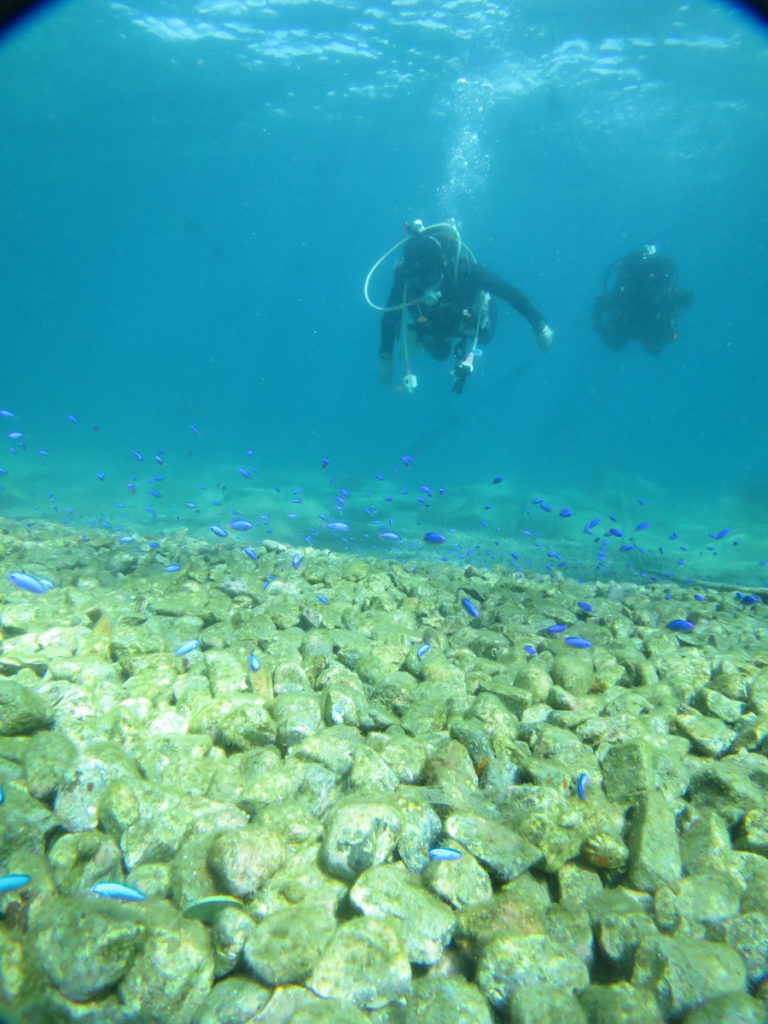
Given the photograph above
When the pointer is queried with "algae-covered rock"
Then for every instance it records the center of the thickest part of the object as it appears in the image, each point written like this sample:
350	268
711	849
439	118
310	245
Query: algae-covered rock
48	758
619	935
230	929
175	761
514	961
172	974
301	879
364	962
359	834
574	671
619	1002
233	1001
22	711
78	795
507	912
709	736
227	674
391	890
437	1000
683	973
628	773
577	884
748	935
420	828
709	897
79	861
543	1004
300	1006
14	970
284	947
83	951
334	748
570	927
297	715
753	832
460	882
243	859
705	843
733	1008
654	847
503	851
26	824
729	786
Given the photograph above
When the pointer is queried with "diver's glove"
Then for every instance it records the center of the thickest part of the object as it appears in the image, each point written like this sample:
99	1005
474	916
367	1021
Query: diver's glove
544	335
385	370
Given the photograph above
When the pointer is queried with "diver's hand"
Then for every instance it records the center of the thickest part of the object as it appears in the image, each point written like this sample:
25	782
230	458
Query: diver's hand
385	370
544	335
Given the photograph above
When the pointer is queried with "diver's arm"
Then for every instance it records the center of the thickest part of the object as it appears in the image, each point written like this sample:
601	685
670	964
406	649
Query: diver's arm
496	285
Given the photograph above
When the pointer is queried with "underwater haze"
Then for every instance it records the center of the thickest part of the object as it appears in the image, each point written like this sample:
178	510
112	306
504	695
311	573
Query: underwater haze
193	194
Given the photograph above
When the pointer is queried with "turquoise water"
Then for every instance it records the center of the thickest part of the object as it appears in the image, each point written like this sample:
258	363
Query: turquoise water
194	193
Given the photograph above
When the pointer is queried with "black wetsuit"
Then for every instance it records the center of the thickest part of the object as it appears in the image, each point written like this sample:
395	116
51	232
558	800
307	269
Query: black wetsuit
643	305
454	316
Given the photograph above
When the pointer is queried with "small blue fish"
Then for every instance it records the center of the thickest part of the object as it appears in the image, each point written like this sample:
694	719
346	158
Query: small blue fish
173	567
422	651
2	795
616	532
27	582
389	535
433	538
187	647
720	534
564	513
470	607
556	628
444	853
251	553
219	531
407	460
530	650
577	641
680	626
585	606
244	472
581	786
323	599
253	663
8	883
337	527
497	480
240	524
296	560
642	526
117	891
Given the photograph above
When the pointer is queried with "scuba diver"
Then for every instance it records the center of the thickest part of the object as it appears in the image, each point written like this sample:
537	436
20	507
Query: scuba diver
643	304
442	300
